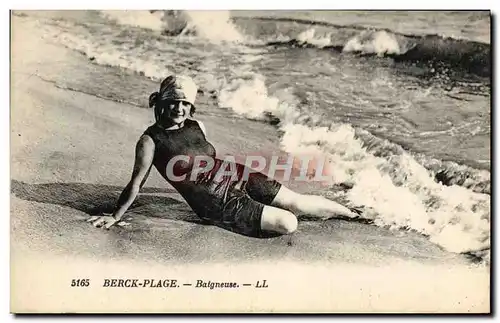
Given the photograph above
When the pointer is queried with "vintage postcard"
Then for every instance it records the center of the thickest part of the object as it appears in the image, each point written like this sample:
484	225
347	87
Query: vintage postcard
169	161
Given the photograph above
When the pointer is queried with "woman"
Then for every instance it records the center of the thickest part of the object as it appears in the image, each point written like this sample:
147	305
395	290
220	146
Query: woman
250	206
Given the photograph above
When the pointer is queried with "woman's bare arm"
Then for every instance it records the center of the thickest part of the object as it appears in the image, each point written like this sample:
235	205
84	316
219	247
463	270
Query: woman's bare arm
144	154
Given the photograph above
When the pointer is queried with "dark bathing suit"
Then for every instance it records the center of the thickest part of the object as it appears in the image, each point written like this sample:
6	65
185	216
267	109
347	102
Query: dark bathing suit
233	204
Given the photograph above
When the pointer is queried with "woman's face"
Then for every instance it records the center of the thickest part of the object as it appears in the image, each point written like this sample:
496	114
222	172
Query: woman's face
176	111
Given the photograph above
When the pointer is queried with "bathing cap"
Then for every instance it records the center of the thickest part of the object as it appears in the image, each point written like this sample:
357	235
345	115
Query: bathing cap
178	88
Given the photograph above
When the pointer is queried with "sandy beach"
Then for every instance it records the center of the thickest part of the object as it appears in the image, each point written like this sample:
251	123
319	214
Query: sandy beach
71	155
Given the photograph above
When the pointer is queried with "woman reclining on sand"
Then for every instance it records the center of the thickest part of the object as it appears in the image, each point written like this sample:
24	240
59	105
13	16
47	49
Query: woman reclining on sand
249	205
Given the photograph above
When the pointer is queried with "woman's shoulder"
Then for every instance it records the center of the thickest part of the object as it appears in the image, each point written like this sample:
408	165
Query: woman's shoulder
150	134
151	129
200	124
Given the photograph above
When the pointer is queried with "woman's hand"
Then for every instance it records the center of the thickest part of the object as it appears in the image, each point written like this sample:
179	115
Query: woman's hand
106	221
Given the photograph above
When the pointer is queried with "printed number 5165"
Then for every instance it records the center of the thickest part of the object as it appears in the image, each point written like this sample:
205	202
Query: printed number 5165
80	282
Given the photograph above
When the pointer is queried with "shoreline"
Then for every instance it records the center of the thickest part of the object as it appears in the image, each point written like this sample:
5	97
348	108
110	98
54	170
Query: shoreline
72	153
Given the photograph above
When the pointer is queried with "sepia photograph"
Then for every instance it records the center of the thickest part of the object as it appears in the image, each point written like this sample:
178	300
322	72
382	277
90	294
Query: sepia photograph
250	161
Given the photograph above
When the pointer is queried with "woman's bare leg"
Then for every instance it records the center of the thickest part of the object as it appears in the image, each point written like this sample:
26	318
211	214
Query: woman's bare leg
312	205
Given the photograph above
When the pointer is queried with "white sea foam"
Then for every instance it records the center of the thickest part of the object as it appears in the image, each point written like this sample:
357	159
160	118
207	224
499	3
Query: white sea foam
137	18
310	37
215	26
399	192
370	42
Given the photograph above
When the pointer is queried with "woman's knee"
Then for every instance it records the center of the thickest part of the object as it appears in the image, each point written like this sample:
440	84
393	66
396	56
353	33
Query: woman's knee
278	220
288	222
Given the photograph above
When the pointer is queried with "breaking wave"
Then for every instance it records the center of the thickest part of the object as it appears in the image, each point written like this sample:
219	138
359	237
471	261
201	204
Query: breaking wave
471	56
